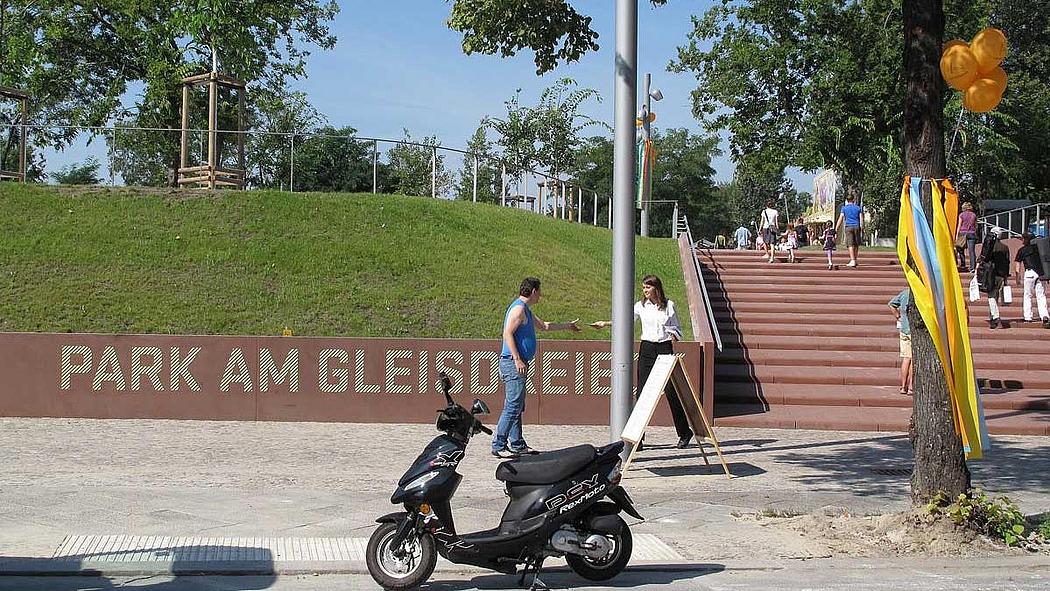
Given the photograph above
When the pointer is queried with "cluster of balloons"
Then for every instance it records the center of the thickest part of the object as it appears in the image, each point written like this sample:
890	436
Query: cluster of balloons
973	68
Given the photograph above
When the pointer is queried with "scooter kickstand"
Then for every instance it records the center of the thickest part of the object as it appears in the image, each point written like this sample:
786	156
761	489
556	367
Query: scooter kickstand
537	566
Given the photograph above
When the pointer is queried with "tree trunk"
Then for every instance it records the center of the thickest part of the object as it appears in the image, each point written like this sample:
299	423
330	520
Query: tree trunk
939	461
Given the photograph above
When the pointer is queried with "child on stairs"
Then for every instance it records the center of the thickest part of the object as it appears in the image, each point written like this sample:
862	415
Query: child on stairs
829	237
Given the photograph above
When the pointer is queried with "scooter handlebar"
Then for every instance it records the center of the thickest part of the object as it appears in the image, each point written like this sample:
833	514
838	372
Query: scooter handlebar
484	429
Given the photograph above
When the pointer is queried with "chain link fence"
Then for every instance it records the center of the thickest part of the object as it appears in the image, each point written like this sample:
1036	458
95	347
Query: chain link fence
297	162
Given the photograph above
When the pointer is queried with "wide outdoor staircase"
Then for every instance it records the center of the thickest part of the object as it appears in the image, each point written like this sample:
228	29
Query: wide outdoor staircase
809	348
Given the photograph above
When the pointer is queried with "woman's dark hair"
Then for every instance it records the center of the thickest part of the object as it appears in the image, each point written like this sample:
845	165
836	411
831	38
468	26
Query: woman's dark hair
769	203
654	281
528	285
1026	238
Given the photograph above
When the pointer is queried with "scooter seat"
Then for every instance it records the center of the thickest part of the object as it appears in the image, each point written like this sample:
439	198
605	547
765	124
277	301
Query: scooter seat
547	467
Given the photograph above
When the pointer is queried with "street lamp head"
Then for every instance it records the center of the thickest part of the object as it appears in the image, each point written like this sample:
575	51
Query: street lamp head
657	95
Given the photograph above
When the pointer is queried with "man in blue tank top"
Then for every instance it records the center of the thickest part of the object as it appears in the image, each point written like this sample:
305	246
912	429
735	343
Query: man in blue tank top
519	347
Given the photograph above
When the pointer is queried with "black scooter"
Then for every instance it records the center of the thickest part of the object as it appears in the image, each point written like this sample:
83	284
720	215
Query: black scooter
562	503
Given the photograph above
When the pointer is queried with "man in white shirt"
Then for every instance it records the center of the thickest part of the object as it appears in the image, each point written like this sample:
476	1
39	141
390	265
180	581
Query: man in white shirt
769	223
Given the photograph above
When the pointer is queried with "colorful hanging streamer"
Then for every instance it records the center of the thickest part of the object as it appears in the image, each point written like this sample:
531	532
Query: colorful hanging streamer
929	263
644	170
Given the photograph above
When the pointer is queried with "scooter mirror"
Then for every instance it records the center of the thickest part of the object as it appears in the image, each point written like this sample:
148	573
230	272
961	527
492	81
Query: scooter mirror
445	384
479	408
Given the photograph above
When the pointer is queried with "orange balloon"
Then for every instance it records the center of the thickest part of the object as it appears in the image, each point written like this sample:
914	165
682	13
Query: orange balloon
959	67
948	45
998	76
982	96
989	47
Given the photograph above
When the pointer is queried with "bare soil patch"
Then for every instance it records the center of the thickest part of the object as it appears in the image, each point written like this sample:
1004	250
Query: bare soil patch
897	534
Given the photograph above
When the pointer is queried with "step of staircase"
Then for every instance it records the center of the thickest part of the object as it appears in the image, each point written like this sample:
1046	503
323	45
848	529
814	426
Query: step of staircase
845	418
866	396
886	343
805	347
870	359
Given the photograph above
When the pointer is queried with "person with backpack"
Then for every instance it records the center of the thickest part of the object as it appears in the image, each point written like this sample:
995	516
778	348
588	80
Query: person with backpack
1029	269
993	271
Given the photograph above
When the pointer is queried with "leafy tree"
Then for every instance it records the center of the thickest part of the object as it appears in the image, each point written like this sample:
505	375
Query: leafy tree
332	161
85	173
78	59
592	167
272	115
411	165
558	123
552	29
682	172
489	181
939	462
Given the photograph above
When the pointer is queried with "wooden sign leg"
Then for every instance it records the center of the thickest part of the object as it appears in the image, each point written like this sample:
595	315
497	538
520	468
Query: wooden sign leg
694	411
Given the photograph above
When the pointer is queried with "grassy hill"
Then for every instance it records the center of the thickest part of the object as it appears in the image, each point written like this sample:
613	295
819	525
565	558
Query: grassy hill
148	261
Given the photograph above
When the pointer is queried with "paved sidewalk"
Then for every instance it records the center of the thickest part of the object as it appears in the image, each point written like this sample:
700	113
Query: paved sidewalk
318	481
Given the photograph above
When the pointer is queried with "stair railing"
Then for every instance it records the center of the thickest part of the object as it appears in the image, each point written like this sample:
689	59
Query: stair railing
1025	218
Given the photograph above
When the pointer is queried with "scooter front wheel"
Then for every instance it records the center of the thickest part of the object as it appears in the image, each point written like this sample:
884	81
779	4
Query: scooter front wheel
404	568
612	564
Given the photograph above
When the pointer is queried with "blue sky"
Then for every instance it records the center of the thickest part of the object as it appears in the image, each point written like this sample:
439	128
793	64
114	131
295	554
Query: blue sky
397	65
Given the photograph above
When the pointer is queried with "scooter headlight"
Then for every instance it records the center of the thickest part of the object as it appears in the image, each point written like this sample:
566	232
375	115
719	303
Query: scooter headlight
615	473
420	481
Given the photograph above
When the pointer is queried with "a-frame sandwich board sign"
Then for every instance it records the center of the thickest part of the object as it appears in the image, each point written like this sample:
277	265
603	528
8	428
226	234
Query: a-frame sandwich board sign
670	368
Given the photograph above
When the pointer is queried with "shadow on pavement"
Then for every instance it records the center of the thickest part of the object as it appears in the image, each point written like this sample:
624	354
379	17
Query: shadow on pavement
882	465
171	567
562	578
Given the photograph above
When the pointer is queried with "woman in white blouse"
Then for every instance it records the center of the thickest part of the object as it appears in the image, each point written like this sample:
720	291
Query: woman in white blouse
660	329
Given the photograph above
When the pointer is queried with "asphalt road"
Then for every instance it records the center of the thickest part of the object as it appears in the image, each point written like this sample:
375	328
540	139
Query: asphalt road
1025	574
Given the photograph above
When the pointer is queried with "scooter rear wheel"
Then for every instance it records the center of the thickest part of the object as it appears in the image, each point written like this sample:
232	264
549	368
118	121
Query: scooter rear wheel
603	569
397	573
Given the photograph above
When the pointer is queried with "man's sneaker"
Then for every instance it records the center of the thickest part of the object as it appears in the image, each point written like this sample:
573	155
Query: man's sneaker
852	264
504	454
1046	322
523	451
993	323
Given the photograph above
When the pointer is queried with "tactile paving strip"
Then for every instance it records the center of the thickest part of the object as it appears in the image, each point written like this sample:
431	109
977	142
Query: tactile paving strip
130	549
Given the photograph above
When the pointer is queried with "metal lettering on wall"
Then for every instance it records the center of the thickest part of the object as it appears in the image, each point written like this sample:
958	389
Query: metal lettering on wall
290	378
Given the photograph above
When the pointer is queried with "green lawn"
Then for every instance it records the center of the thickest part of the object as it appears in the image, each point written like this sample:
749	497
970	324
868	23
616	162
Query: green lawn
149	261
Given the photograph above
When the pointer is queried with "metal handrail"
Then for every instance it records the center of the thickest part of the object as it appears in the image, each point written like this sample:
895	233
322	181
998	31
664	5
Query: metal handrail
703	285
986	221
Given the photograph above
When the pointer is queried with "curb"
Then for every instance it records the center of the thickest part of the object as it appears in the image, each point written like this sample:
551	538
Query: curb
38	567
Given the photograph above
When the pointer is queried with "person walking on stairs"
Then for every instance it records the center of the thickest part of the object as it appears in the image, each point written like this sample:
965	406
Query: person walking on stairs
995	258
849	218
770	227
1029	267
742	237
829	237
792	242
660	329
966	235
899	304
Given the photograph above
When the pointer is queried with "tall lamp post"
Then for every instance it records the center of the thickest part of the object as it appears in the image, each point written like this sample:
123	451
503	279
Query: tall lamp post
623	215
647	122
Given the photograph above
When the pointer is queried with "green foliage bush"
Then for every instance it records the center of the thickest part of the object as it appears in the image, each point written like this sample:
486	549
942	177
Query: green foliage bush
996	517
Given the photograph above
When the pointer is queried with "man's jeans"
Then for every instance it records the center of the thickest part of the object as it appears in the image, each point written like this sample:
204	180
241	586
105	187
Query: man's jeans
509	427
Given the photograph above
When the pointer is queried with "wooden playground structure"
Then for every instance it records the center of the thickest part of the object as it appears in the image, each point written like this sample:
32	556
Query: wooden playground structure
22	98
211	175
